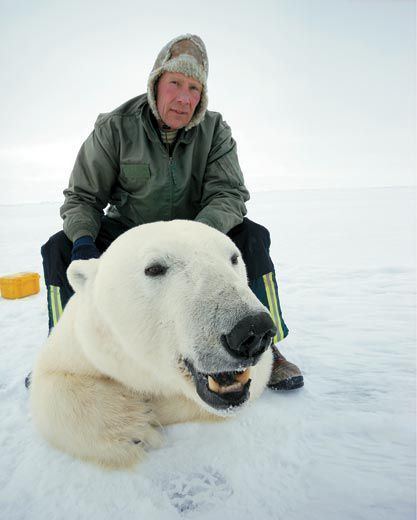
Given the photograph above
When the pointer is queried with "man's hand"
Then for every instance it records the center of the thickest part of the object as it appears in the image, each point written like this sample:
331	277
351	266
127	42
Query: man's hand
84	248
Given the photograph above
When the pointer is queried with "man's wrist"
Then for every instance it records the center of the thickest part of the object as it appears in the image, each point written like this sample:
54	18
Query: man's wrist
84	248
85	240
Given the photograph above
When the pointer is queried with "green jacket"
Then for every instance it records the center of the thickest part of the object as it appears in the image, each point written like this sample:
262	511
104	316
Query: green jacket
124	163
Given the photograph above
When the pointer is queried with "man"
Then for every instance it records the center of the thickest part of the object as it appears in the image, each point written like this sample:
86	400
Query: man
163	156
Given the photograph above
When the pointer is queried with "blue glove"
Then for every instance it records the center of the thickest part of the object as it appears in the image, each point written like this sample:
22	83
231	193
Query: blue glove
84	248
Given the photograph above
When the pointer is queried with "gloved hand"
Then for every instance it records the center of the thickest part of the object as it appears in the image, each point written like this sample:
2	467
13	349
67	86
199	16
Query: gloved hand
84	248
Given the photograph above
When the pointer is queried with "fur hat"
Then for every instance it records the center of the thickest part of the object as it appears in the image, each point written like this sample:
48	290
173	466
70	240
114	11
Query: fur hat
186	54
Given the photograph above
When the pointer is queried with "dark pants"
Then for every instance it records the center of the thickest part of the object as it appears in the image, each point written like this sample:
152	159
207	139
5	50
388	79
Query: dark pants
252	240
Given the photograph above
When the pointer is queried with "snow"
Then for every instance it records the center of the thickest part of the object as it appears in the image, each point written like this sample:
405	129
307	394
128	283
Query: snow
342	447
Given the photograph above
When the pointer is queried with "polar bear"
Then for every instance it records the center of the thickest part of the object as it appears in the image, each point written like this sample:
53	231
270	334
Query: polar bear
162	329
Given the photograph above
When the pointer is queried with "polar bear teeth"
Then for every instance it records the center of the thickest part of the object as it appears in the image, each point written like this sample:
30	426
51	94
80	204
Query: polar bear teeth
240	379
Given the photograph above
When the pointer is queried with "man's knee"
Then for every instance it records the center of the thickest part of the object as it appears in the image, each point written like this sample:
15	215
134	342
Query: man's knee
56	257
57	245
253	241
249	231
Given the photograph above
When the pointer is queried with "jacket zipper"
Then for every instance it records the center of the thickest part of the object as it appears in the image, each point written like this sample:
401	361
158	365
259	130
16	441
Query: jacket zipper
171	175
171	172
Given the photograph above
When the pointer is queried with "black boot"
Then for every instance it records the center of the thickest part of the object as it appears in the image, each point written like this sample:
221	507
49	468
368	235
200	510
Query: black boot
284	375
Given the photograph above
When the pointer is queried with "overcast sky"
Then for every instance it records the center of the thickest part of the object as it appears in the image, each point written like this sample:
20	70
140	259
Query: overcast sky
319	93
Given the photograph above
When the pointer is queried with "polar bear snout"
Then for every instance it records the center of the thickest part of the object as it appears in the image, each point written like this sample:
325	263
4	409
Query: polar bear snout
250	337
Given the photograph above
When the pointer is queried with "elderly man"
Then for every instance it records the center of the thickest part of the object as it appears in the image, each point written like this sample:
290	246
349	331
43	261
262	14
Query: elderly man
163	156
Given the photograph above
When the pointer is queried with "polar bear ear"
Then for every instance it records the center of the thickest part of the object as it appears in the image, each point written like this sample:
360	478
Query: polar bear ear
80	271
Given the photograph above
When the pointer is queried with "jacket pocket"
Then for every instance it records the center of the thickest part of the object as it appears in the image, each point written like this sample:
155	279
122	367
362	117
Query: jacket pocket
133	177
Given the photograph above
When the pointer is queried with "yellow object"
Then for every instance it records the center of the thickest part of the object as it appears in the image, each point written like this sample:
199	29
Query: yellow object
19	285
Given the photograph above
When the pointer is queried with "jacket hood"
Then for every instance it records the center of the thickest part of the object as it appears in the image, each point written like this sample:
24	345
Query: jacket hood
185	54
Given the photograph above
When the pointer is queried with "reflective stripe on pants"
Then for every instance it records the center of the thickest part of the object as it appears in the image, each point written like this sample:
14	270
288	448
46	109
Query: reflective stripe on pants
54	305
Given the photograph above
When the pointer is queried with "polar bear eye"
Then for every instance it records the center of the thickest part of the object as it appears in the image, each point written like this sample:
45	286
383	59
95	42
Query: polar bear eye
234	258
156	270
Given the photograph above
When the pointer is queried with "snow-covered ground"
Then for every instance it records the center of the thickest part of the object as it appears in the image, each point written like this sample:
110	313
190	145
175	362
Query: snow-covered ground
343	447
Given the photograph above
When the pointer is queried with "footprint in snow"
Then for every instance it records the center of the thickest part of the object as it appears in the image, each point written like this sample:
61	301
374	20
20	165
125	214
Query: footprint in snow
197	491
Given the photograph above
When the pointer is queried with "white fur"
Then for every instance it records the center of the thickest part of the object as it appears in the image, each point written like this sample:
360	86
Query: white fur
109	372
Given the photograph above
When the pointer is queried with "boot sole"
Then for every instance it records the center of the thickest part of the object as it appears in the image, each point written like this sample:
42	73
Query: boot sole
291	383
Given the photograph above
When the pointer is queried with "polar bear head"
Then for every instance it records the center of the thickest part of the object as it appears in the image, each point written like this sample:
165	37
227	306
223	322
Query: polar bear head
173	298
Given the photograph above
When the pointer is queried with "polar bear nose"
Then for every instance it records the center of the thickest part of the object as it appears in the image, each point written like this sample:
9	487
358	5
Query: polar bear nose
250	337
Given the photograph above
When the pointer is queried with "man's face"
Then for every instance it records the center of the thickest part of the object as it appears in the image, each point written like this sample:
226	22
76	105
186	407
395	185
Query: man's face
176	98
